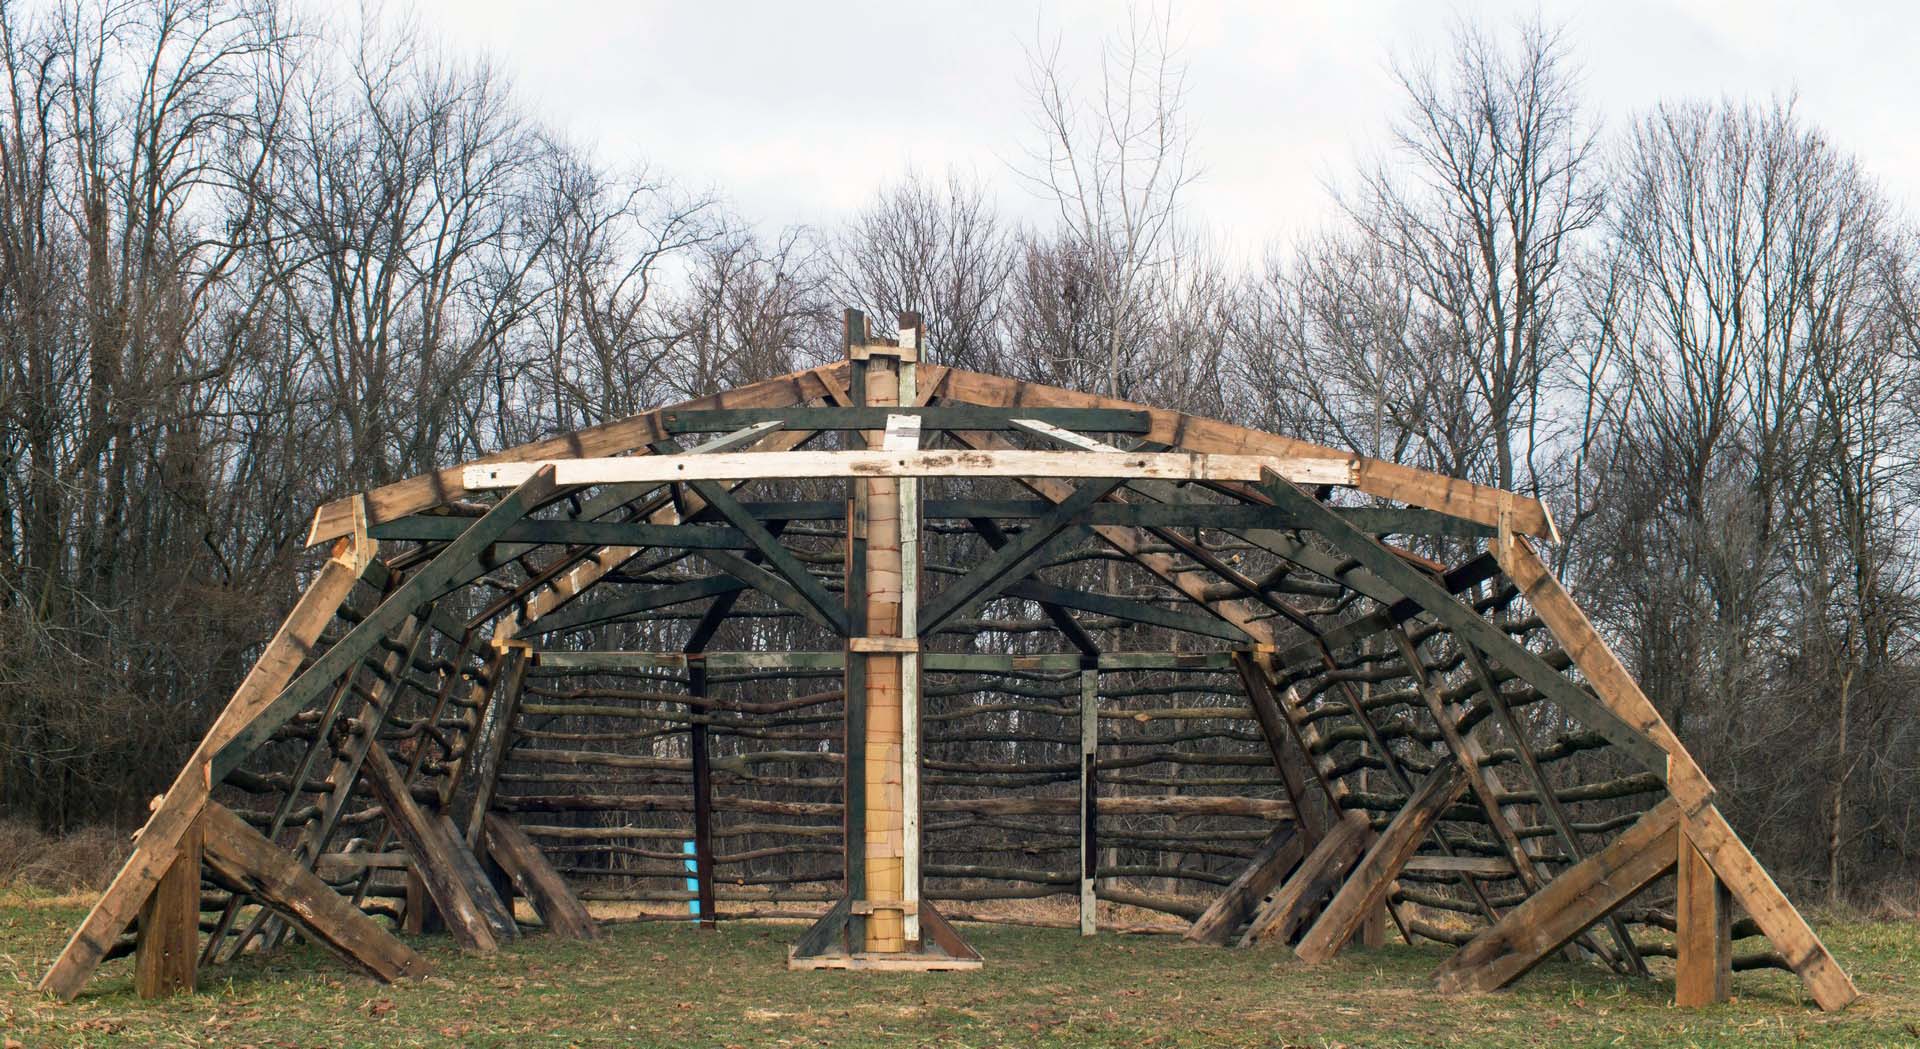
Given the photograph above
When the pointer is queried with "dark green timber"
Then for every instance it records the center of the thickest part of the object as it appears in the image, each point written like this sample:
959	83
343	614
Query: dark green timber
446	571
1123	608
1011	561
1467	625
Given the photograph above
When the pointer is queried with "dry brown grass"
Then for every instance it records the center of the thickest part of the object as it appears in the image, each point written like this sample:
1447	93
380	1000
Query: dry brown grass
83	861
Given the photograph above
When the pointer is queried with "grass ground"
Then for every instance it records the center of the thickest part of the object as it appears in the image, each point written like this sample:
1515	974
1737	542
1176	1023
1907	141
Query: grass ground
656	984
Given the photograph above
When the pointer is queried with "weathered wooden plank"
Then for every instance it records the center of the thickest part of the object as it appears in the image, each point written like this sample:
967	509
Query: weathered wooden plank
556	904
1311	883
159	841
1194	514
1702	933
1576	900
1467	625
613	438
745	466
1089	800
244	861
1365	890
1404	484
433	856
1277	856
451	566
168	947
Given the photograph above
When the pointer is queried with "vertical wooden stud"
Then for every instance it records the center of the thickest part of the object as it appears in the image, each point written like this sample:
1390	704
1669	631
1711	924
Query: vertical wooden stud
702	798
1089	798
1703	932
167	950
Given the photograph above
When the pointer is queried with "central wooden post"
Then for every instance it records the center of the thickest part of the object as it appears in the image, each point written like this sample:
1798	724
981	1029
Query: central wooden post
886	687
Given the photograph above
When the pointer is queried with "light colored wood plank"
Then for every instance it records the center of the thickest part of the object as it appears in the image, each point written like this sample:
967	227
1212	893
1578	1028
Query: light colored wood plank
618	437
746	466
1405	484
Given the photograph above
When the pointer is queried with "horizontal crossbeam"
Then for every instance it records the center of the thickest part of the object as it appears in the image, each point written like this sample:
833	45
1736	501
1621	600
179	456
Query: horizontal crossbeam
748	466
934	662
945	417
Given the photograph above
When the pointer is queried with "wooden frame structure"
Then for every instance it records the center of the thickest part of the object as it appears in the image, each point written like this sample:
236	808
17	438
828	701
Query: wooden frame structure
1433	734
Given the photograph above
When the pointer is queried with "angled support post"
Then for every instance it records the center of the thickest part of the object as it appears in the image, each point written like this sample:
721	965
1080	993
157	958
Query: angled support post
1365	890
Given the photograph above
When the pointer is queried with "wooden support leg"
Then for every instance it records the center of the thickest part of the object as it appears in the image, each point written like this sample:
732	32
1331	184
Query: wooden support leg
1312	881
1703	932
1365	890
1089	799
243	860
1277	856
168	948
556	904
1580	897
420	917
432	849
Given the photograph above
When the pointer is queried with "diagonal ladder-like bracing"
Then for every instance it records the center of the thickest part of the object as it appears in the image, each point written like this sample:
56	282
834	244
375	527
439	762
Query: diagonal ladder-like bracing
1418	704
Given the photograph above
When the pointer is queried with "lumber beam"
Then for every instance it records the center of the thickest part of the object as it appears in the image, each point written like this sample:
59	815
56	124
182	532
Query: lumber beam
944	417
449	568
1467	625
1089	800
1365	890
581	615
1315	878
159	843
555	903
618	437
1702	933
1706	827
1277	856
1045	593
241	859
167	950
1405	484
1008	563
1570	904
441	529
425	839
1014	463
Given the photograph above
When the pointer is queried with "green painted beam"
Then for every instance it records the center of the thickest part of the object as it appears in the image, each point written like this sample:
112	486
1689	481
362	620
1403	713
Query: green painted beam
1123	608
1467	625
581	614
432	528
1010	562
936	662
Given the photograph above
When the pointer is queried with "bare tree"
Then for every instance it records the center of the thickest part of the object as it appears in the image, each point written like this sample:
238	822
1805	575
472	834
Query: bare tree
1116	164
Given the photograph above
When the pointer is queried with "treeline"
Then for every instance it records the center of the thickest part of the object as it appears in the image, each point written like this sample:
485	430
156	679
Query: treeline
248	263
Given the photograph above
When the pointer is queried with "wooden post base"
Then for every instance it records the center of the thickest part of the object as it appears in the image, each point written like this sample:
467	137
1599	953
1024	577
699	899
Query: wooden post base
826	946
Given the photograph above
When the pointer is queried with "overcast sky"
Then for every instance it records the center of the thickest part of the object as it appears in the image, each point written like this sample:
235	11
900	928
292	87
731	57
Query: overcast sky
798	112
